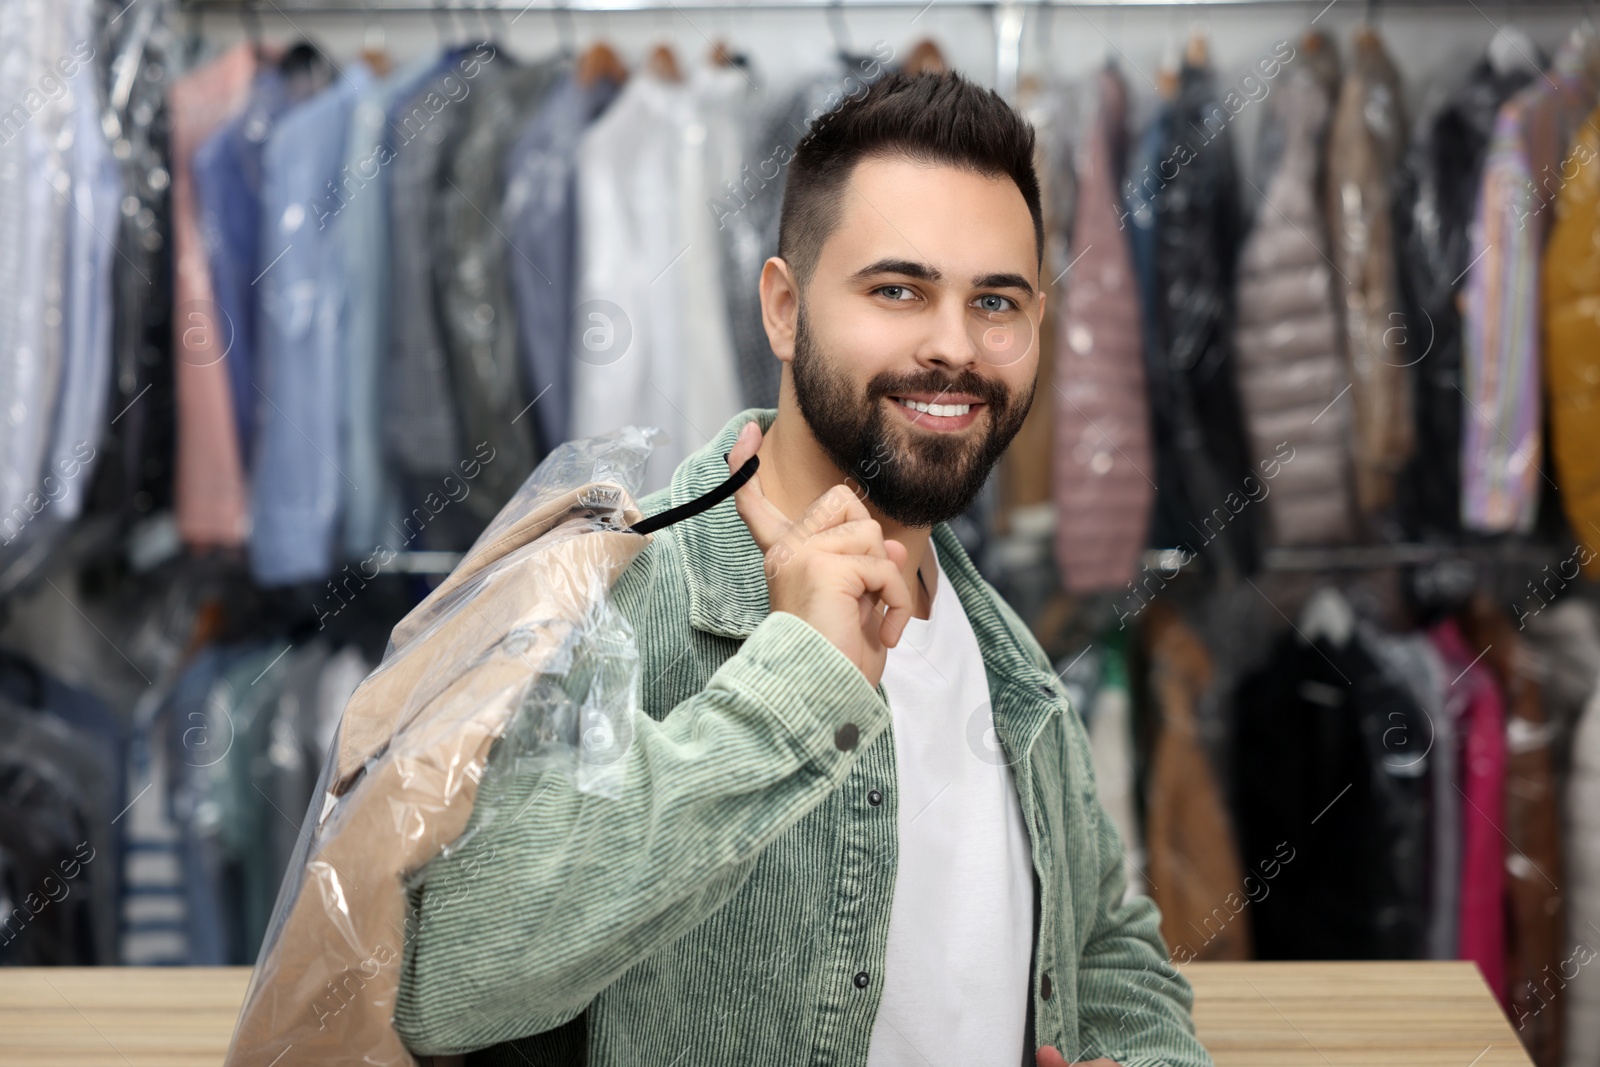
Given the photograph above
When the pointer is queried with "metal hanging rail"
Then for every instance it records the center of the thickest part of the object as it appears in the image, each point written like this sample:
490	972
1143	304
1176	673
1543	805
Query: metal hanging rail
529	7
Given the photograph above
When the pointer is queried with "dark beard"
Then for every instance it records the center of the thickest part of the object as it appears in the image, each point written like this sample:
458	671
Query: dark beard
925	479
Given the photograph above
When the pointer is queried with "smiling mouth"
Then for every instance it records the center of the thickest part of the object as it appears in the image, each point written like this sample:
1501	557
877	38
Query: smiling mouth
937	416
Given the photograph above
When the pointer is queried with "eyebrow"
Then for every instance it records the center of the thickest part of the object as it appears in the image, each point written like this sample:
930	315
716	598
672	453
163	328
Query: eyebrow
924	272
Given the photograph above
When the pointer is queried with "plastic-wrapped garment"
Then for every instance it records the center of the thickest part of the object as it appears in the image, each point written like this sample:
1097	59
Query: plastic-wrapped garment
1102	465
135	471
1195	874
1583	890
1503	408
1330	783
1572	342
1566	639
477	318
520	642
1197	426
1291	364
209	485
1482	774
1536	921
1364	149
1434	210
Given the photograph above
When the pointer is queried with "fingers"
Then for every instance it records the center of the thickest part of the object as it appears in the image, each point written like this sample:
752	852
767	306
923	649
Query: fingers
766	523
862	537
882	579
1049	1057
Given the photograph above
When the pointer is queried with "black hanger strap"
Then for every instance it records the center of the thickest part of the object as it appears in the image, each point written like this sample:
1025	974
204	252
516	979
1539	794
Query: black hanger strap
699	503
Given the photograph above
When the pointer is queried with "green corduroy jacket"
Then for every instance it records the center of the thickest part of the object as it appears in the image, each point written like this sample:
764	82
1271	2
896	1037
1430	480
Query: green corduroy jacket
720	910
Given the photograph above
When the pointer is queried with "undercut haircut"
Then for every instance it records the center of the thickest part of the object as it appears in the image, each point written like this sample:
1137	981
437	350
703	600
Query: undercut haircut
924	118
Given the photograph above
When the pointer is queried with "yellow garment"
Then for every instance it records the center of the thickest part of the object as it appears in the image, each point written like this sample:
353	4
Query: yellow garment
1572	340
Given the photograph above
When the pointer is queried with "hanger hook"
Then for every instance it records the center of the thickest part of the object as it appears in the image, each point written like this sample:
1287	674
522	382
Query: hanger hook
841	35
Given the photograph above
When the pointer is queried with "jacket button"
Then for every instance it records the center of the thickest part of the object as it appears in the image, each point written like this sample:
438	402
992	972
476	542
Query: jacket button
874	798
1044	986
862	979
846	736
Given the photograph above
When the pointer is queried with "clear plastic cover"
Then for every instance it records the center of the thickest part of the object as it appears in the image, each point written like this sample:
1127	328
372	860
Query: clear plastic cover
520	645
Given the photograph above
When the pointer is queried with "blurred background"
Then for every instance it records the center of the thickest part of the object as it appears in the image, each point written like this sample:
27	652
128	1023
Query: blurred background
1306	511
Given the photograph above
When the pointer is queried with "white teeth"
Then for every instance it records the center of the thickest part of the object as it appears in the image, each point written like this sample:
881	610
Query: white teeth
935	409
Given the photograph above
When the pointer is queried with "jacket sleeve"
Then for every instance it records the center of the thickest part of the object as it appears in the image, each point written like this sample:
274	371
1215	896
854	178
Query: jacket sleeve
1134	1004
555	895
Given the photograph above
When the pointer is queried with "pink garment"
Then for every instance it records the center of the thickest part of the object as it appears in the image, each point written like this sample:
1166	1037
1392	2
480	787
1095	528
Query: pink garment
1481	780
208	485
1102	462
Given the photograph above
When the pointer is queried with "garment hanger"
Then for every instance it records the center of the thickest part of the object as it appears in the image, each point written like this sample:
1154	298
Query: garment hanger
566	31
1197	53
1167	73
374	52
722	56
1328	616
663	63
926	58
250	15
600	61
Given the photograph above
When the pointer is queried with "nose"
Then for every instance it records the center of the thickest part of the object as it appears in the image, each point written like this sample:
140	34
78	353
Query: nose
952	343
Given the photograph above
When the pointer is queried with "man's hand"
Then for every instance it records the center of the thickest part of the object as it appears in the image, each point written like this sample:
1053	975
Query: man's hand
1049	1057
832	567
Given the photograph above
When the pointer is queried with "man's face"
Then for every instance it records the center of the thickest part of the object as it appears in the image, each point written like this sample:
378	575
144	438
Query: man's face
916	344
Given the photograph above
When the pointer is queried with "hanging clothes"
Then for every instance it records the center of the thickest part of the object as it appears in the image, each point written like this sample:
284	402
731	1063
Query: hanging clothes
423	431
1024	471
1582	1037
1536	926
298	482
653	349
1501	447
228	182
1329	768
1443	166
1365	146
748	210
478	322
1292	371
1194	871
1411	662
209	483
1188	262
94	196
1572	341
1483	771
360	226
1102	463
134	474
541	224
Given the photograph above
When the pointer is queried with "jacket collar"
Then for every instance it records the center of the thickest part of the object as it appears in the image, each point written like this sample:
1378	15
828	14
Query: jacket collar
727	584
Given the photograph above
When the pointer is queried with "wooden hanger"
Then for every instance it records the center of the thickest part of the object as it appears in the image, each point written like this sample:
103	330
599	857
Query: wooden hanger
663	63
926	58
1198	51
600	61
720	55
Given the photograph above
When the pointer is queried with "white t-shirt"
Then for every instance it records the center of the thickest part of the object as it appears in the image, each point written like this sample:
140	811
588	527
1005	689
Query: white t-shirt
961	929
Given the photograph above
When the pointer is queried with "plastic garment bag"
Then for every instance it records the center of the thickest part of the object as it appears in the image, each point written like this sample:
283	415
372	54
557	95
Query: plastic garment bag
519	645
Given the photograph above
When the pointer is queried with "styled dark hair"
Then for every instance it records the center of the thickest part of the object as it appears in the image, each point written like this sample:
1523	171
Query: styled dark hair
927	118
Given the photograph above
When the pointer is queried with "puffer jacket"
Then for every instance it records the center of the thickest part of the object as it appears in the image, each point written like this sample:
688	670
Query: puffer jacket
1197	426
1439	186
1572	344
1102	485
1291	365
1365	144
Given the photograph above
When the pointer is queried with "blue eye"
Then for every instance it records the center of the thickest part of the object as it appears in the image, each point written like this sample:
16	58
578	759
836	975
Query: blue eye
988	303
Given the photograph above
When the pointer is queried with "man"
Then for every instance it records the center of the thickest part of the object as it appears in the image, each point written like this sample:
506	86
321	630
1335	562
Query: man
862	828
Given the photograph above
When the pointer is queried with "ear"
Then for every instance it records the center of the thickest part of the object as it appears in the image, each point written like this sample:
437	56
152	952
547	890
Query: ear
780	307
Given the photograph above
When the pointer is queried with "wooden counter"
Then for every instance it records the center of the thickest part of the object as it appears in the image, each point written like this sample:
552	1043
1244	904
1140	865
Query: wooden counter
1248	1015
